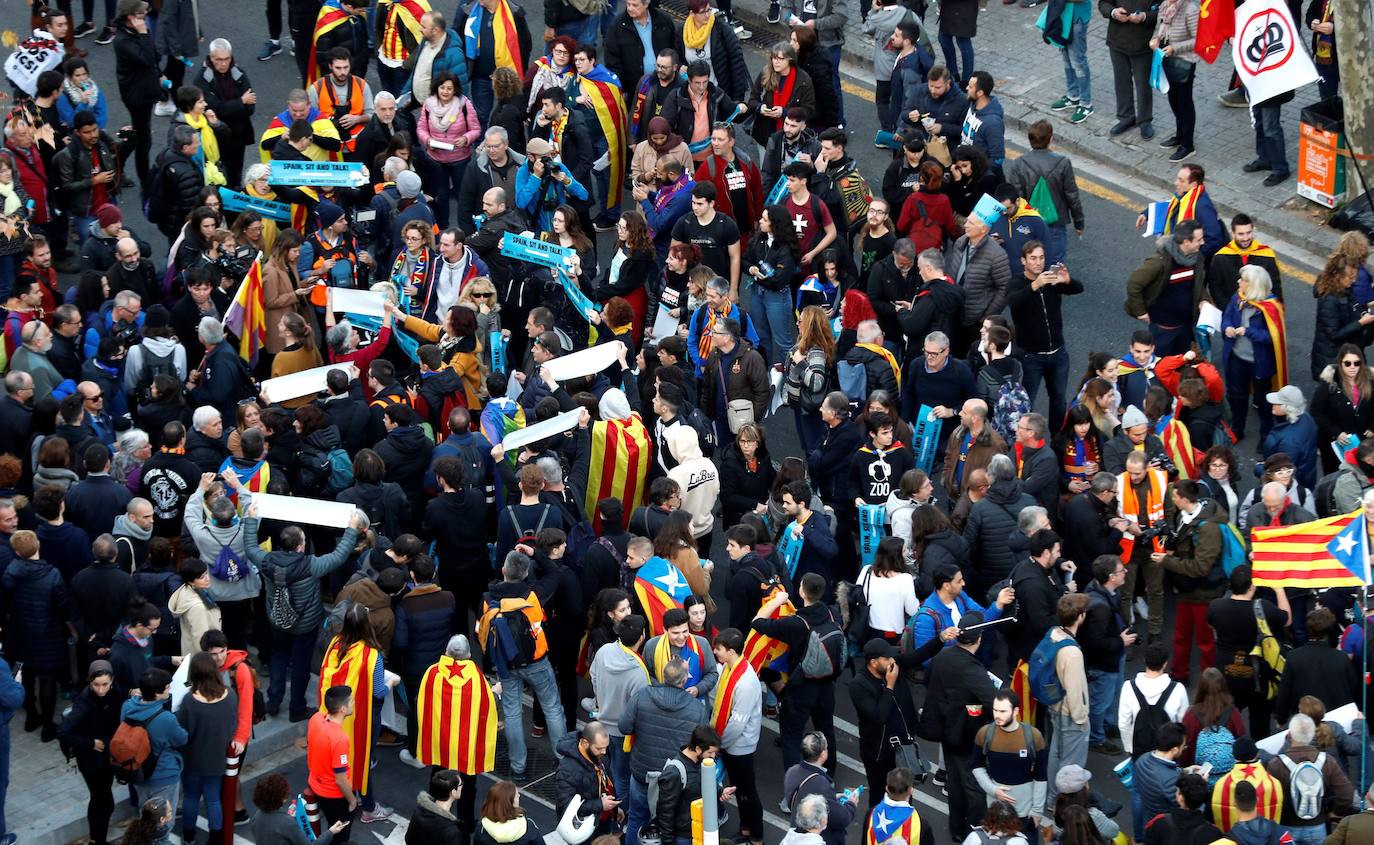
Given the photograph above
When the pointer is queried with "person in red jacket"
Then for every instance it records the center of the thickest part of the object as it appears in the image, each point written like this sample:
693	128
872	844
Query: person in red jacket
927	219
342	340
237	673
739	187
1172	369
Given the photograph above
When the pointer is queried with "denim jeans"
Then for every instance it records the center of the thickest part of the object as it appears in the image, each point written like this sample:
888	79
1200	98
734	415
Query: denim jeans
1068	744
83	223
1057	243
482	99
194	788
774	320
1268	139
810	429
1104	689
1310	835
294	651
1053	369
539	675
1173	341
1077	77
638	813
959	71
619	761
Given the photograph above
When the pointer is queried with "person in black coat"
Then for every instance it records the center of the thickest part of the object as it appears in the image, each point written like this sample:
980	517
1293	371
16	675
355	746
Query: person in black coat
94	503
623	51
138	73
745	481
385	122
178	181
1091	525
1038	589
229	94
205	444
223	379
406	452
385	503
99	594
434	821
1318	669
351	35
39	607
1340	317
582	769
816	63
457	521
203	298
727	57
85	733
16	414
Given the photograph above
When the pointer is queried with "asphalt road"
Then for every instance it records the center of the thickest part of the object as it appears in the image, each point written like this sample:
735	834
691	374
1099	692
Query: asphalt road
1102	259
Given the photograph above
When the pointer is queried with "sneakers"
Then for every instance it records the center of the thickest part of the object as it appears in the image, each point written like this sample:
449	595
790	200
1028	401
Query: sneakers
1142	609
775	16
1233	99
1171	141
538	730
106	35
1109	748
588	704
85	29
770	711
604	223
784	809
940	778
1181	154
1276	179
520	777
269	49
1081	113
376	814
1064	103
742	33
164	109
409	760
242	816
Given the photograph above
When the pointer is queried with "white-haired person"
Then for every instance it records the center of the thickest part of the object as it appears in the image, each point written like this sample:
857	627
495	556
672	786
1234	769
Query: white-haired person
256	185
1254	336
1336	788
1294	433
223	378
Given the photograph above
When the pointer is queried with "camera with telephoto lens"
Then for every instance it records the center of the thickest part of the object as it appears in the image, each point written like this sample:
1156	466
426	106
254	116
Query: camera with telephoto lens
1162	531
1162	462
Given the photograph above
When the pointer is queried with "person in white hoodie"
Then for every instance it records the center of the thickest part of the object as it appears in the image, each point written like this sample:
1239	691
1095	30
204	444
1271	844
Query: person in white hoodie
697	478
617	673
1155	688
159	349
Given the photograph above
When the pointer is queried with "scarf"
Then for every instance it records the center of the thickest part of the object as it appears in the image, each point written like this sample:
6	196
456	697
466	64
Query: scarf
660	125
666	194
1082	450
1168	9
725	695
125	527
694	35
1177	255
206	598
1276	521
87	95
547	75
704	345
209	147
782	95
690	652
412	270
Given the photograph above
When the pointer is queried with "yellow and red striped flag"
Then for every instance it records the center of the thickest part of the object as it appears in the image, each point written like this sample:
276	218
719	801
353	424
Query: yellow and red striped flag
353	668
620	464
1268	794
457	715
246	317
1021	688
1300	555
760	650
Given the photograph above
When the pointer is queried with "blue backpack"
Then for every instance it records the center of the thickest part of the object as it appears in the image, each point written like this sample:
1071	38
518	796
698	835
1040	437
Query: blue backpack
228	566
340	472
1044	678
1232	548
1216	745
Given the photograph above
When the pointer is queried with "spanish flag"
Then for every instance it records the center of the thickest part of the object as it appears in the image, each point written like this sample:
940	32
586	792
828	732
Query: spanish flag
246	316
1268	794
1298	555
457	715
760	650
889	822
1274	320
603	88
331	17
353	668
659	586
725	694
620	461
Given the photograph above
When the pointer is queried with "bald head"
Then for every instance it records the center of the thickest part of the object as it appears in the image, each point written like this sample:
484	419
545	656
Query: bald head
494	201
126	250
1273	495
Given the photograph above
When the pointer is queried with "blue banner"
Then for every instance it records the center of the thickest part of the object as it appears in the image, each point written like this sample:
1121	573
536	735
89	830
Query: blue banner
535	251
497	342
779	192
270	209
871	531
584	306
925	438
323	174
790	548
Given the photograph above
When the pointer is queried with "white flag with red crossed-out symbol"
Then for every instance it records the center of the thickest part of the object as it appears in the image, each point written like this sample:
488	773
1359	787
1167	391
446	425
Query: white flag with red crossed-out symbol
1268	52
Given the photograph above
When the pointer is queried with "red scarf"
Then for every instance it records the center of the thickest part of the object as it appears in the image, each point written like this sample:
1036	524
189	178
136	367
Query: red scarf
782	95
1276	521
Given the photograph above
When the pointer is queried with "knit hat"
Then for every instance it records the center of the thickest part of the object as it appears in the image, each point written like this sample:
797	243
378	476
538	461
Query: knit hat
108	215
1071	778
156	317
329	213
408	184
100	667
1132	418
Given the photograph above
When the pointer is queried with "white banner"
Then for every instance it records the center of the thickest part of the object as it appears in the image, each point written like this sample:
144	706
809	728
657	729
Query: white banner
308	511
541	430
593	359
366	302
1268	52
1343	716
303	383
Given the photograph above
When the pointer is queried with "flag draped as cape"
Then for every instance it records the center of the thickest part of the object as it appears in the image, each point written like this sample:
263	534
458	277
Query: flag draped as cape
620	463
355	669
457	716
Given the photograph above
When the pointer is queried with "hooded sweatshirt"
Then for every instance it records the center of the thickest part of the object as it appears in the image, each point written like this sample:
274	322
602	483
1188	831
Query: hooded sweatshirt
165	736
696	476
140	356
517	830
617	675
210	539
1258	831
985	129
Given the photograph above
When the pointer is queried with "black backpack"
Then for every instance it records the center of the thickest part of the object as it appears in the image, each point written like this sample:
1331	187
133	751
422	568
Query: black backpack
706	433
1324	494
475	471
154	365
1149	719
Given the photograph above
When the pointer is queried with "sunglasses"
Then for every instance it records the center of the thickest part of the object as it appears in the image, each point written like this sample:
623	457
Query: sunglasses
1350	363
481	295
95	398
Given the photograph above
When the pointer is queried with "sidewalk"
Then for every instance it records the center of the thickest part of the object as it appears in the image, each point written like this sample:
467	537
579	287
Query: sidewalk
1029	75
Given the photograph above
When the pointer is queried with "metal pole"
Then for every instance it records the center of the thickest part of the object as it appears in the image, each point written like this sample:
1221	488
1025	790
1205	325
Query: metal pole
710	818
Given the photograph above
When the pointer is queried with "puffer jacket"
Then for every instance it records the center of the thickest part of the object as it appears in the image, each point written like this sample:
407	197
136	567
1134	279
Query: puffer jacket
431	824
210	539
727	61
406	452
38	607
984	278
1338	321
576	778
181	184
661	719
989	522
446	124
424	623
303	573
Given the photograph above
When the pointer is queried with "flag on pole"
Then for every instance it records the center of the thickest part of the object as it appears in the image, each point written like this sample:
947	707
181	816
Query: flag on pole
246	317
1268	52
1323	553
1216	22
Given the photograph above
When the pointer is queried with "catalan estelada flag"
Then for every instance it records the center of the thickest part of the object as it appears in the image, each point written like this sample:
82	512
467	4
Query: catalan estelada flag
503	29
1312	555
354	668
620	462
659	586
246	316
603	88
322	127
760	650
331	17
893	821
254	478
457	715
1268	794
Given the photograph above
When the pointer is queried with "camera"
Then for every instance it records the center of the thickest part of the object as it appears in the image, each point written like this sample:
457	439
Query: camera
1160	530
1162	462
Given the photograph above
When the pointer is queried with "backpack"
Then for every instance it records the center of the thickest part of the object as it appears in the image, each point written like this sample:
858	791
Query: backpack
228	566
1042	200
824	655
706	432
155	206
923	231
154	365
1148	719
580	540
1232	548
813	383
1216	745
854	610
259	700
280	612
655	778
853	380
1026	733
1044	677
1325	495
527	537
1307	786
856	196
130	751
1010	401
474	470
510	637
340	472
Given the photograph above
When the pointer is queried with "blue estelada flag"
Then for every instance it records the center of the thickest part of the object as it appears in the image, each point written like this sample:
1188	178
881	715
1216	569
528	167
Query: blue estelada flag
1350	548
